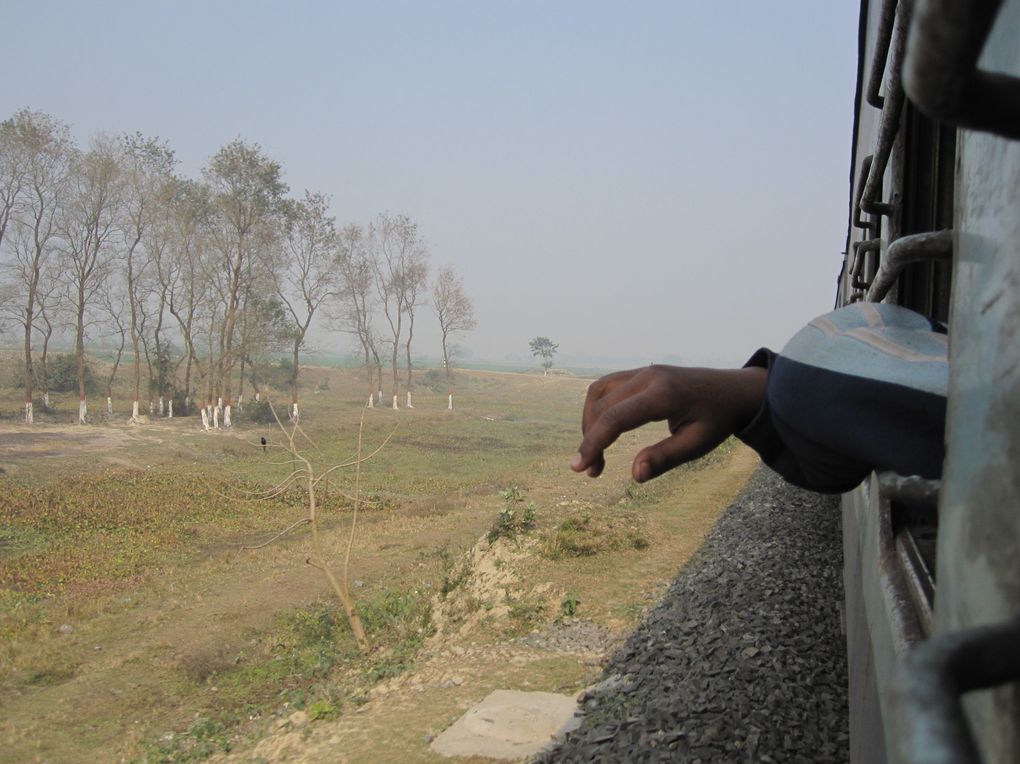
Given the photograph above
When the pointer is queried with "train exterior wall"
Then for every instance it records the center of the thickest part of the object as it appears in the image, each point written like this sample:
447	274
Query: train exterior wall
979	527
977	570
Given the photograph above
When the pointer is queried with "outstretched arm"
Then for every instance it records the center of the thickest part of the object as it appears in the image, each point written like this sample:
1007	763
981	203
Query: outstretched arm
702	408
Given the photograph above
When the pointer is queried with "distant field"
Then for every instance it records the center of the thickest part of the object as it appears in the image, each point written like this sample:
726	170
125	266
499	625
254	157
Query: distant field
133	626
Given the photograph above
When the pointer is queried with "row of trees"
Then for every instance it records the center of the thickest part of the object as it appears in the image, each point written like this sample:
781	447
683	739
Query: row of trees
202	279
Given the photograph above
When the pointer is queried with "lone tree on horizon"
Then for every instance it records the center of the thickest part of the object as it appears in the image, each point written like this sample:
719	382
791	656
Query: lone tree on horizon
546	348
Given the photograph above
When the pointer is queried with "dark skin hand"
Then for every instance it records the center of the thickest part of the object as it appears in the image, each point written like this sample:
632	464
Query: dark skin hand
702	407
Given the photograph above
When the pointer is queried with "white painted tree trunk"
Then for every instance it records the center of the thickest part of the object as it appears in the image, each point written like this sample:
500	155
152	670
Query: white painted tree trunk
409	405
219	403
28	413
162	405
240	402
258	397
83	411
187	403
395	406
216	418
449	405
371	400
205	419
134	411
46	400
379	397
295	415
226	415
152	409
109	405
170	409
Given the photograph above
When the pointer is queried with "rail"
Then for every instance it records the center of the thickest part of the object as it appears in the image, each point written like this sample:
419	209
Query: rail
934	245
927	712
890	124
878	61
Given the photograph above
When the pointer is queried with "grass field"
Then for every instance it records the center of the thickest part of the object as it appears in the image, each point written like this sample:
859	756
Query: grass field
134	626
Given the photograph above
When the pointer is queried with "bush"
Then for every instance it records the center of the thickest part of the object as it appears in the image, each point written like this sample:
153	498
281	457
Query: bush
63	376
513	518
179	407
261	412
434	380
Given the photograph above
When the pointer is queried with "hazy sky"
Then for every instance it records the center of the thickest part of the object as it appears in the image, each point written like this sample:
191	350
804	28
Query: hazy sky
639	180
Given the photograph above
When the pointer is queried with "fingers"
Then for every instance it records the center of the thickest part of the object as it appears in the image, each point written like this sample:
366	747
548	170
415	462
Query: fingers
592	468
629	412
600	394
686	444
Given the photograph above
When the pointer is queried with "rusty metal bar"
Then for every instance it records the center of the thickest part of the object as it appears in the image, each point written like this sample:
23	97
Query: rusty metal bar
862	179
912	490
918	579
931	726
882	39
940	71
890	124
861	250
934	245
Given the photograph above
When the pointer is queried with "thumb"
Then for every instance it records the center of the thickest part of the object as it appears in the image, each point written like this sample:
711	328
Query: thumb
684	445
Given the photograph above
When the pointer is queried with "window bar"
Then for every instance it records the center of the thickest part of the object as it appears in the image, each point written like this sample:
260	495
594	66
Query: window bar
882	40
890	125
933	245
940	70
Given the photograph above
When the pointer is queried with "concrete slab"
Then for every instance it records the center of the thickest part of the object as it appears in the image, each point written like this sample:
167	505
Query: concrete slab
509	724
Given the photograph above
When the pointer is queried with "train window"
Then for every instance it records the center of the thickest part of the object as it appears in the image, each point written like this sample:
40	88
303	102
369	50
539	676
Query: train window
927	205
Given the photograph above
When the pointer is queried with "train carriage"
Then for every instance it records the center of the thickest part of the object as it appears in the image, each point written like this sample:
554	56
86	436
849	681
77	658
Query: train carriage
932	568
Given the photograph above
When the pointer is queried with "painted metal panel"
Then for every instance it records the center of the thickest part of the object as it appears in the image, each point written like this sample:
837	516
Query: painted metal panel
979	531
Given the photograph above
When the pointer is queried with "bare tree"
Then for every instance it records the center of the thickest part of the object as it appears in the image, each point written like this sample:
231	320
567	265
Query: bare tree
247	196
39	150
455	312
14	167
147	166
89	218
181	268
309	276
114	301
399	261
415	283
358	302
45	326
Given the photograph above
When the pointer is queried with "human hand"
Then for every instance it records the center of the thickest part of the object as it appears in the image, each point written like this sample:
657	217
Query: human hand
701	406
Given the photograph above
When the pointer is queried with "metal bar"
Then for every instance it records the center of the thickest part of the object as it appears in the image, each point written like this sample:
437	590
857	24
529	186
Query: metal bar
912	490
890	125
931	726
882	39
917	577
940	71
934	245
861	250
862	179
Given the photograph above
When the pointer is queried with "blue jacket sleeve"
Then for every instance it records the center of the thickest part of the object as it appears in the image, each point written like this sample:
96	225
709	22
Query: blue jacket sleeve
859	389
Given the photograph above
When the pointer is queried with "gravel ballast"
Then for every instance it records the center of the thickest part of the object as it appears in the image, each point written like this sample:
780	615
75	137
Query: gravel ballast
744	659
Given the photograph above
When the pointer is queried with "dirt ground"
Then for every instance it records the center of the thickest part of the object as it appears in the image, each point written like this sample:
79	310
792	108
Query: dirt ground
123	667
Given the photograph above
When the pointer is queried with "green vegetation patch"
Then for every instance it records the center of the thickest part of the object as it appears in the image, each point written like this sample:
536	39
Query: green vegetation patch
95	530
308	661
585	534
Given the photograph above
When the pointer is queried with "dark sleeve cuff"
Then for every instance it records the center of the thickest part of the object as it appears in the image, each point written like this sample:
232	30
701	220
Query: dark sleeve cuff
759	434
